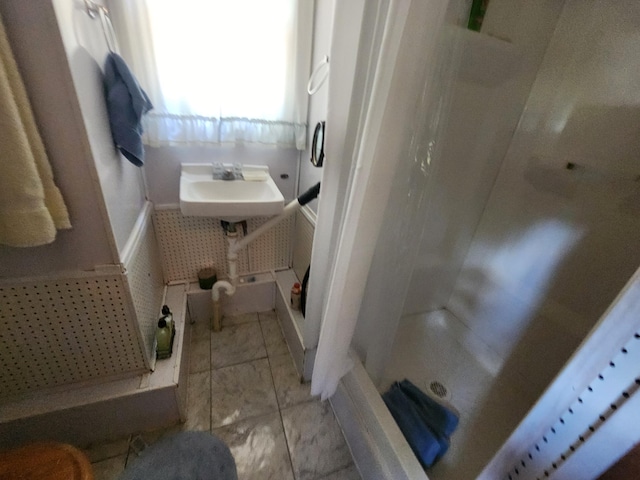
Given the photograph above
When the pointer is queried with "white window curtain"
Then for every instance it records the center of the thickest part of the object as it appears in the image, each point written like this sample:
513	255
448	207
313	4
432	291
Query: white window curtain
220	71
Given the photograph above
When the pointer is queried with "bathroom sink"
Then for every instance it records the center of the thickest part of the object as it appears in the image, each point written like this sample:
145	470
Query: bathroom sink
252	194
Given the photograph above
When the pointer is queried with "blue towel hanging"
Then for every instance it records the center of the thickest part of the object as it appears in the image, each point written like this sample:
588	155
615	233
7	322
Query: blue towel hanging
126	103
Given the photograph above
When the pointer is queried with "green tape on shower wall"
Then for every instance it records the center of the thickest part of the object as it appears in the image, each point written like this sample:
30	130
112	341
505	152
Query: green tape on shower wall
478	10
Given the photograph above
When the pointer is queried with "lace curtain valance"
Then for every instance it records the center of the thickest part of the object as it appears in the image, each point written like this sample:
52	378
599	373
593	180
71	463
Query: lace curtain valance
220	71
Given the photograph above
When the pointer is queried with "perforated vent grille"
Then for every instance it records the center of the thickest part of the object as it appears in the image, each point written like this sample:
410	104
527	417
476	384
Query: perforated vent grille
144	276
614	386
65	331
188	244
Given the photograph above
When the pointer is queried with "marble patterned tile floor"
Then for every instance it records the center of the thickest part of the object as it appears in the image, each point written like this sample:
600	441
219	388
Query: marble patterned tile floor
244	388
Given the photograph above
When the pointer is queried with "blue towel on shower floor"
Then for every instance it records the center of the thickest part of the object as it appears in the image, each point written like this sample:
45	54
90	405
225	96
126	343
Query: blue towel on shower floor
442	420
425	423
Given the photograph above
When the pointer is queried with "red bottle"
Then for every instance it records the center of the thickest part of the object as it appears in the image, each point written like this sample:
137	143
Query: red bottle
296	290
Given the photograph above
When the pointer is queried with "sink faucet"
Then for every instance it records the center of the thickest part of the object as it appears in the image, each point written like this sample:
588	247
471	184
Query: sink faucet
227	172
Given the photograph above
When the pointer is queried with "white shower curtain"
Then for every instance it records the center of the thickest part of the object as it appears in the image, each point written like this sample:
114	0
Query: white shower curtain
405	67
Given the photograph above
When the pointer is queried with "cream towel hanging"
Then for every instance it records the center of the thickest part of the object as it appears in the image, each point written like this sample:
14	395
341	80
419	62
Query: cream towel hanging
31	206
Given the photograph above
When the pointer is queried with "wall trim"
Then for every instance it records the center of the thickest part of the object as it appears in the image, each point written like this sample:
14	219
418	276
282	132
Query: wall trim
309	214
139	228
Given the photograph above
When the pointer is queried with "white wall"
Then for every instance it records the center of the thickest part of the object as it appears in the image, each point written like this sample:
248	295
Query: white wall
35	38
120	181
555	245
322	28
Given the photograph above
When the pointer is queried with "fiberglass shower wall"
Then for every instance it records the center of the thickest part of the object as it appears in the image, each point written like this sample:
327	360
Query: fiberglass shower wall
559	235
558	238
480	89
533	222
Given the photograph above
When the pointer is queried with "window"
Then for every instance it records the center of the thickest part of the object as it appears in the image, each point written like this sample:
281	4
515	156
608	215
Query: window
220	71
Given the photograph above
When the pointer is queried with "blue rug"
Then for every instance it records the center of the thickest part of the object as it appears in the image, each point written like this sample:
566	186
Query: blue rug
185	455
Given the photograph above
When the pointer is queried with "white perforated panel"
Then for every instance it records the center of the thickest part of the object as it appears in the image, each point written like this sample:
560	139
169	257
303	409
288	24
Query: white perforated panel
188	244
611	389
270	251
56	332
302	244
144	277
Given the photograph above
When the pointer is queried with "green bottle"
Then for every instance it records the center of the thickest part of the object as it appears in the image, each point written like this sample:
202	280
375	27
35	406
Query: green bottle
163	339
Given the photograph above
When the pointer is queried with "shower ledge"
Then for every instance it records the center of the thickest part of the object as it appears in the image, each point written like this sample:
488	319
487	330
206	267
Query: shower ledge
292	323
100	411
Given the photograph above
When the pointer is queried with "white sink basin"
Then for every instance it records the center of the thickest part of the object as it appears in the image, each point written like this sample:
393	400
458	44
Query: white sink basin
233	200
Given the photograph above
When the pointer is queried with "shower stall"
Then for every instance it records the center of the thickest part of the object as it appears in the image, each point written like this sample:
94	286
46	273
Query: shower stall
484	218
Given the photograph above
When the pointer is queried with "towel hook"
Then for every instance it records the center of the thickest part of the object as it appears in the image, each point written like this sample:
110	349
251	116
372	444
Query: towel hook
107	30
316	72
95	10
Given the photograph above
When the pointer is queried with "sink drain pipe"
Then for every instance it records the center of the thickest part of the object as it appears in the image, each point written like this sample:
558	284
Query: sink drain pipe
236	245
